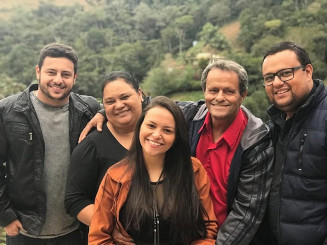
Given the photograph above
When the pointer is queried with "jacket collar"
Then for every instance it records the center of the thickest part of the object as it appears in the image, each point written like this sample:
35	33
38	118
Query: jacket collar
254	131
23	102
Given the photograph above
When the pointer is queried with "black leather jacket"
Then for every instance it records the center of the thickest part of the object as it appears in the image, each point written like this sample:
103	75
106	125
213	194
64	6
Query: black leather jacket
22	195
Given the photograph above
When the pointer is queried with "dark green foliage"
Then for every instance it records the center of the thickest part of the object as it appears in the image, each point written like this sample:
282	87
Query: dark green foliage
258	103
135	35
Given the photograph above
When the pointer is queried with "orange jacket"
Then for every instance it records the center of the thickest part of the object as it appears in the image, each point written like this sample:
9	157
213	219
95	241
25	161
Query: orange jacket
112	195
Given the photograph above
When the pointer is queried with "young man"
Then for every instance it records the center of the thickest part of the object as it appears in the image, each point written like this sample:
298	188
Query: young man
38	130
297	207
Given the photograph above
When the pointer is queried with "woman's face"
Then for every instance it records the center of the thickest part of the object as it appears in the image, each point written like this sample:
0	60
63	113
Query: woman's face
123	105
157	132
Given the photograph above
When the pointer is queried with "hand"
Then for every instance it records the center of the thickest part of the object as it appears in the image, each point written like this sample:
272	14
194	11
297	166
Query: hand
13	228
96	121
121	239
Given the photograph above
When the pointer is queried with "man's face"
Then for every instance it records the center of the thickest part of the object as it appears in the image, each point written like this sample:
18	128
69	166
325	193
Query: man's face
289	95
222	95
56	80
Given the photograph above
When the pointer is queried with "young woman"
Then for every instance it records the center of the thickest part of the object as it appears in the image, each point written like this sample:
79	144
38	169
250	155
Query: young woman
158	193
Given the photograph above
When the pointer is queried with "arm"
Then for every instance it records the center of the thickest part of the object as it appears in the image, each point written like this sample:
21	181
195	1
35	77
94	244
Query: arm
203	186
120	239
96	121
85	215
103	221
82	181
7	214
251	197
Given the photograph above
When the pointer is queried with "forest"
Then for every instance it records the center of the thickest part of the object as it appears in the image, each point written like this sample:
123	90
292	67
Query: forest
165	44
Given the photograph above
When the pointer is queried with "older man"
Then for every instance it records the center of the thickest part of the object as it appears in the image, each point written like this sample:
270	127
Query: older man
235	148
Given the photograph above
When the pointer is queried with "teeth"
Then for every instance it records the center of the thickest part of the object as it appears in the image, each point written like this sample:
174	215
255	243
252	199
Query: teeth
281	92
122	112
153	143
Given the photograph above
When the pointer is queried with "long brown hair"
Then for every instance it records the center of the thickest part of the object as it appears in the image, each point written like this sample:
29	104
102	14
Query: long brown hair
186	213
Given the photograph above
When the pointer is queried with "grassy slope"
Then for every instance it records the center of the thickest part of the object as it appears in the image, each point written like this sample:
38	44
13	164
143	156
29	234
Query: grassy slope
7	5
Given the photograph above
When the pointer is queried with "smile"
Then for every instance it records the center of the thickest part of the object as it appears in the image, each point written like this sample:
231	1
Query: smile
154	143
281	92
217	105
55	86
122	113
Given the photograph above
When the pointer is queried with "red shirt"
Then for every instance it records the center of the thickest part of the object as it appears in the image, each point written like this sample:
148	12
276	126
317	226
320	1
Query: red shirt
217	157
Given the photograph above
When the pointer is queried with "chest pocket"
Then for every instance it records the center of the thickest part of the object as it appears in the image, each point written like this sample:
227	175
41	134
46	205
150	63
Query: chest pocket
21	141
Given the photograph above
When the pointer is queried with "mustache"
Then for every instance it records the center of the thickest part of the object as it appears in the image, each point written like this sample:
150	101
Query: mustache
60	85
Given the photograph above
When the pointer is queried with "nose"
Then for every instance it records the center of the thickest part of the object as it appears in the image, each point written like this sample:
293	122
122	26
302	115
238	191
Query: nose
58	78
156	133
277	82
119	104
220	96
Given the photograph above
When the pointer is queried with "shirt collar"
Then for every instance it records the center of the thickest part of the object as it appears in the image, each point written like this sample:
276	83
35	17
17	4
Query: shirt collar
232	132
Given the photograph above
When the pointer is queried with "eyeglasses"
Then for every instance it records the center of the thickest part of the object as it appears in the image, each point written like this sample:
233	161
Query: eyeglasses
284	75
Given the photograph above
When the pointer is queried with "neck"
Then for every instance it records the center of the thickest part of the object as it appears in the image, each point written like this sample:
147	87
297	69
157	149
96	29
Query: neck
289	114
154	165
218	128
48	101
122	130
123	135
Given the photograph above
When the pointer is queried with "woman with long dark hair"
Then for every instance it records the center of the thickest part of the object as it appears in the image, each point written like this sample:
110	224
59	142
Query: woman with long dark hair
158	193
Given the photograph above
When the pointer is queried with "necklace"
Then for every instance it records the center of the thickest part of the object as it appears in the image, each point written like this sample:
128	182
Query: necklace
156	214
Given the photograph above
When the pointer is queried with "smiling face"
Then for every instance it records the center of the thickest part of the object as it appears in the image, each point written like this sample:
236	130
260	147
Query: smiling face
289	95
123	105
56	80
222	95
157	133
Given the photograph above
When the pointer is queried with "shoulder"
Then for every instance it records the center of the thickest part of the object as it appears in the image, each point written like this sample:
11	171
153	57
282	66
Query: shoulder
96	136
190	108
255	132
120	172
201	179
85	146
85	100
196	164
8	103
12	99
198	168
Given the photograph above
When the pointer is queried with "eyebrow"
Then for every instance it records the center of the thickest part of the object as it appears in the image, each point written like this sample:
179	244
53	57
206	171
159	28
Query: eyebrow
272	73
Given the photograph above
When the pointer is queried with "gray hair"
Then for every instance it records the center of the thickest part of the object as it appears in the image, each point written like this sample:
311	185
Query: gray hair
227	65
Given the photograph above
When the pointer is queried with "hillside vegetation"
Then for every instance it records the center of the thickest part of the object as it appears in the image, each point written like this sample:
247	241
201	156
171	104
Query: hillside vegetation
164	43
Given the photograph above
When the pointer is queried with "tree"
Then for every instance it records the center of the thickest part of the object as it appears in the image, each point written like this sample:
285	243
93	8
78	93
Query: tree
257	103
211	36
181	26
219	13
146	22
9	87
169	38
